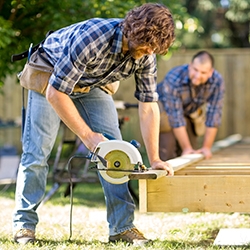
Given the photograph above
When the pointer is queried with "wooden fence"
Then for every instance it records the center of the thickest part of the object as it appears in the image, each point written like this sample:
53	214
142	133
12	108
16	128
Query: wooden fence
233	64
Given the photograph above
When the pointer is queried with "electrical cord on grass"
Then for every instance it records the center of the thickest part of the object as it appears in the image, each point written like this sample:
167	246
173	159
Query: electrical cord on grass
71	191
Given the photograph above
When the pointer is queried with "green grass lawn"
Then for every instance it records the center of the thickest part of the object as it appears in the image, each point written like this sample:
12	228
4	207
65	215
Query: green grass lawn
90	229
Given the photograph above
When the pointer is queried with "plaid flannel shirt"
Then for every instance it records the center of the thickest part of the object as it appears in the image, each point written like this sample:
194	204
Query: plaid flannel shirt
175	92
89	53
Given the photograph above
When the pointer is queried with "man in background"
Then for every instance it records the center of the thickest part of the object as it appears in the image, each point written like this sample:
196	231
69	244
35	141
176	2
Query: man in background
182	95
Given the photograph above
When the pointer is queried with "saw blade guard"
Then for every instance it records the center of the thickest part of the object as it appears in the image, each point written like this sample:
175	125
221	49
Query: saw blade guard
120	155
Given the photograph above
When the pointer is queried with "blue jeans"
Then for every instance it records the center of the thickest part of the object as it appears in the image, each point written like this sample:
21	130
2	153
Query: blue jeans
41	127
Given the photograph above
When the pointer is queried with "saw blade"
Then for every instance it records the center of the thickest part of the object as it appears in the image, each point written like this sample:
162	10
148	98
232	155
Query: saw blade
118	160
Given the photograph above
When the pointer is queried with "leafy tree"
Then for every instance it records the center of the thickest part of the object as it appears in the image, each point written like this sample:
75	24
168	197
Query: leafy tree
27	21
238	17
225	23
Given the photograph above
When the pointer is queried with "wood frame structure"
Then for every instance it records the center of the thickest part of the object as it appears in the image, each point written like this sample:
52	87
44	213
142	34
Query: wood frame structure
201	185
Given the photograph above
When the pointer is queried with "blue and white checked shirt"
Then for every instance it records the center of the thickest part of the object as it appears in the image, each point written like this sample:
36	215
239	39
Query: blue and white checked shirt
176	95
84	52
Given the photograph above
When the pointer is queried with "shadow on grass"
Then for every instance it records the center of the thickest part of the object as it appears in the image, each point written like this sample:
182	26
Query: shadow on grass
64	244
188	245
86	194
69	243
96	244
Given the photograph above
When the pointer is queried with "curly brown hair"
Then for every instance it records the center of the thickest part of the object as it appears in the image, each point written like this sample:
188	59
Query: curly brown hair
150	24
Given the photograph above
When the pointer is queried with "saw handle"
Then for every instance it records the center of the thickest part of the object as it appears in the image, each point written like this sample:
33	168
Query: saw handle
108	136
133	142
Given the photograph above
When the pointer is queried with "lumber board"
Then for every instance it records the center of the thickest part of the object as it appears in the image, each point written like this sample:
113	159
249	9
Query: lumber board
149	174
186	160
196	194
212	170
143	196
220	184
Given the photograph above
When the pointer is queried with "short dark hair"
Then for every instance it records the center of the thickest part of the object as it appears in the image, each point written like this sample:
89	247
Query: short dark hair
204	56
150	24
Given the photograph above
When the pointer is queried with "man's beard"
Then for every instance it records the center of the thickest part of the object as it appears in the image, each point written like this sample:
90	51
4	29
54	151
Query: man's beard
132	48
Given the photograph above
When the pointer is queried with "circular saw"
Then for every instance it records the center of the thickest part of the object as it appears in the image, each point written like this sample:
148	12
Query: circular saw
117	159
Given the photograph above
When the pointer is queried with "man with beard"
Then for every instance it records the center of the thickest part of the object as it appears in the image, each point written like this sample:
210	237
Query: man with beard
87	57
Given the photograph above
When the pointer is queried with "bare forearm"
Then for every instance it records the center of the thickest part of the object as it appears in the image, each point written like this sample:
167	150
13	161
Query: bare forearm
209	137
149	123
182	137
208	141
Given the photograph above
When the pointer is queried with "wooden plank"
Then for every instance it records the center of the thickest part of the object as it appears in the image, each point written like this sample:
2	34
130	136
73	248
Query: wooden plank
220	184
143	201
210	170
149	174
233	160
199	194
186	160
228	141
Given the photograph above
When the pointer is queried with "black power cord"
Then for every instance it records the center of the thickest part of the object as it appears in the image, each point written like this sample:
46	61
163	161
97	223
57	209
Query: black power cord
71	190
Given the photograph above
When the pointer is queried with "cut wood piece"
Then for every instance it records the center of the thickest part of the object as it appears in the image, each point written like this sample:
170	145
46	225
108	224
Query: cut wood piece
149	174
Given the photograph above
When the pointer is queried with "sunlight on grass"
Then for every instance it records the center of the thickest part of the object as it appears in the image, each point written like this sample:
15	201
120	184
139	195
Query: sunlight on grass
90	228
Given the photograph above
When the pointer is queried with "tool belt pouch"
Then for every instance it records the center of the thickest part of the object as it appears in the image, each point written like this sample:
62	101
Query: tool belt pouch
164	123
111	88
36	73
198	121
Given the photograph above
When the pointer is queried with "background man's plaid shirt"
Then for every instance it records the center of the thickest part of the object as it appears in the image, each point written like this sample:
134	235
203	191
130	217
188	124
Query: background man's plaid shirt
176	95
